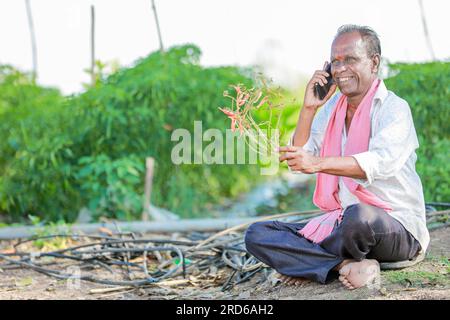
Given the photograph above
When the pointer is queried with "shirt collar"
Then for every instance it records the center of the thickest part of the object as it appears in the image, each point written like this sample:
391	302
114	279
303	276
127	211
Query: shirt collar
381	93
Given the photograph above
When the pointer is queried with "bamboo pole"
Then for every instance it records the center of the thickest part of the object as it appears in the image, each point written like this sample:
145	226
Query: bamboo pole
425	30
92	45
200	225
161	47
222	226
149	166
187	225
33	40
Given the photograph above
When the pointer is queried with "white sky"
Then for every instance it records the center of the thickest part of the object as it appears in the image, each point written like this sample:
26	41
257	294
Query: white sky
292	38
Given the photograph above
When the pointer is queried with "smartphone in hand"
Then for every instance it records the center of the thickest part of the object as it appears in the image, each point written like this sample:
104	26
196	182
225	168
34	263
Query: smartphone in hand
319	91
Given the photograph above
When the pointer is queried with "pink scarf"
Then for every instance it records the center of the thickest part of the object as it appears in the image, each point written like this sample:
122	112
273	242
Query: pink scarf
326	192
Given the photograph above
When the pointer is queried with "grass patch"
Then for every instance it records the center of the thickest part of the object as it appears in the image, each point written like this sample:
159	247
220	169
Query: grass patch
418	278
442	261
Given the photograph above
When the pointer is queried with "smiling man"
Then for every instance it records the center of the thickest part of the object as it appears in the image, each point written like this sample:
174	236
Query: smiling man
361	144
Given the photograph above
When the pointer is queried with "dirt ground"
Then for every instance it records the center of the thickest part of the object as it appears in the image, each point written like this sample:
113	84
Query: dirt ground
427	280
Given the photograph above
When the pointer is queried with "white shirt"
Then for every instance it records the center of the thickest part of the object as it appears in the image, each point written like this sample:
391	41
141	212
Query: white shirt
389	163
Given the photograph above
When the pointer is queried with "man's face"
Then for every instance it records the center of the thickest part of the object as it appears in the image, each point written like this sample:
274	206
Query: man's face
351	68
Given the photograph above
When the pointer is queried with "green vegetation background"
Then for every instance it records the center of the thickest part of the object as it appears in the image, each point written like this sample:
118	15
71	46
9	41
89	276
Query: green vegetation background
61	153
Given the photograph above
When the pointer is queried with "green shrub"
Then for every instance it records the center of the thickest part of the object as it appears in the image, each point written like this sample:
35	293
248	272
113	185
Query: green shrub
426	87
111	184
135	111
35	163
90	149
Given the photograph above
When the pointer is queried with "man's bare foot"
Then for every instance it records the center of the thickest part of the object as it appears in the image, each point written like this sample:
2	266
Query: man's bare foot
343	263
354	275
292	280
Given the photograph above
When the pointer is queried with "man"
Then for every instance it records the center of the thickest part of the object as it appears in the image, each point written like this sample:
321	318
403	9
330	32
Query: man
362	146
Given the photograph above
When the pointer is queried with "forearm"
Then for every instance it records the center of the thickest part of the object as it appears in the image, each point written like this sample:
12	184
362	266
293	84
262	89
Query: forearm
303	129
341	166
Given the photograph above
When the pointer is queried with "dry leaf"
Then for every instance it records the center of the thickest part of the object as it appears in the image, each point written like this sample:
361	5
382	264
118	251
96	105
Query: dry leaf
383	291
24	282
50	288
8	251
105	231
410	289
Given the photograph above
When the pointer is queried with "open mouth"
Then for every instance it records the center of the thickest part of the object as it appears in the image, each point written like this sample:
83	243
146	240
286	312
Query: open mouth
343	80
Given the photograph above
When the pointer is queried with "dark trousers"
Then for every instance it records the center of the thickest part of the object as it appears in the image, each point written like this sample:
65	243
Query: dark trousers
364	232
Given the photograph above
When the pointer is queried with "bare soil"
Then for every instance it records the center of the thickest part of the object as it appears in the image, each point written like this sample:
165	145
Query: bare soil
426	280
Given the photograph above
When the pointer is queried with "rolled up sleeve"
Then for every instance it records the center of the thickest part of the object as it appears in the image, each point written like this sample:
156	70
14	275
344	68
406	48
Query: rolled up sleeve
390	147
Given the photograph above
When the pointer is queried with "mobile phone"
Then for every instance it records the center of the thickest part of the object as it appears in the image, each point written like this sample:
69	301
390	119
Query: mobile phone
319	91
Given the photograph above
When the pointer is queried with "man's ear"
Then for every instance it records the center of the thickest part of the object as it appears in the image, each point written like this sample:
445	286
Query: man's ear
376	59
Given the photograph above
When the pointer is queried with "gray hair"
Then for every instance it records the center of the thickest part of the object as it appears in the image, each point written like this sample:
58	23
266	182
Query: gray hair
369	36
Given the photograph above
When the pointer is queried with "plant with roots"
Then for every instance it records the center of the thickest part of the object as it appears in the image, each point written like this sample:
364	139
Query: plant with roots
245	103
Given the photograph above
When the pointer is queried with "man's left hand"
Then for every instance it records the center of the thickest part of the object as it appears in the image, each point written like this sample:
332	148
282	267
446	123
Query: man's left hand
299	160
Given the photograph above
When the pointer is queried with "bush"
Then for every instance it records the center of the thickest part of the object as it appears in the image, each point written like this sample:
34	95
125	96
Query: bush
90	149
135	111
426	87
35	163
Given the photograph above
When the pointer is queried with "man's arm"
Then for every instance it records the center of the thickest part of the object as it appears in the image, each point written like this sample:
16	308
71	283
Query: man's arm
303	128
300	160
390	148
310	105
341	166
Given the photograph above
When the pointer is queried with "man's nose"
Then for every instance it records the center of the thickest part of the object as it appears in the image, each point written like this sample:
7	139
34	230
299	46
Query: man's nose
341	67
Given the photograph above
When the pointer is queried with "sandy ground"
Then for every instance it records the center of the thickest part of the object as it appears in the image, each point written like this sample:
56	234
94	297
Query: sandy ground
428	280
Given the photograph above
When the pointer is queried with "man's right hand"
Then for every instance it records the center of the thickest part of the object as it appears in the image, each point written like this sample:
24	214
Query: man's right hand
311	102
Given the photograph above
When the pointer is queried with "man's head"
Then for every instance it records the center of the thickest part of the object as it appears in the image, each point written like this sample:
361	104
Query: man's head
355	59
